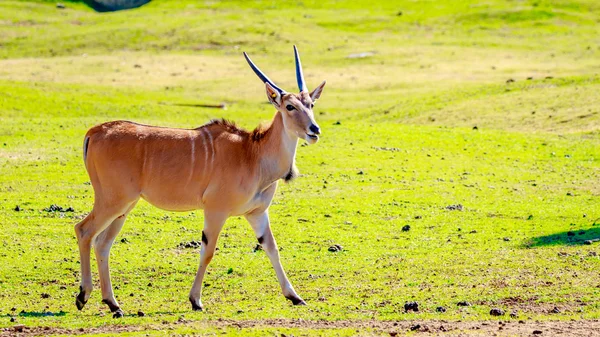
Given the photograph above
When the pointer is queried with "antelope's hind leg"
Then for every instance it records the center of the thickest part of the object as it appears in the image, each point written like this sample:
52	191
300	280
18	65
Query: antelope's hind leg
262	228
86	231
102	245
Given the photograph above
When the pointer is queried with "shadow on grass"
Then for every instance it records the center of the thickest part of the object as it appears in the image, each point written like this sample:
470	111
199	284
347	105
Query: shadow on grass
111	5
41	314
590	236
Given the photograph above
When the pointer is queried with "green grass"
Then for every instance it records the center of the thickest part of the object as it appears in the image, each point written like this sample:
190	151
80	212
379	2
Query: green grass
526	176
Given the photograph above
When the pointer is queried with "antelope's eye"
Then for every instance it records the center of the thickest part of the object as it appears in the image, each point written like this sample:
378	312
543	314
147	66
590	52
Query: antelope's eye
312	105
290	107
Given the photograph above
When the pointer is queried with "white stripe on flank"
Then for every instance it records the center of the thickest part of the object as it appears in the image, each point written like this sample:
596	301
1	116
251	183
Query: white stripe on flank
212	148
193	141
205	149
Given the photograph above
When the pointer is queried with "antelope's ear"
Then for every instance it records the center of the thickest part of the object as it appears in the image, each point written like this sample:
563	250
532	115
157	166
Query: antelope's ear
316	93
273	95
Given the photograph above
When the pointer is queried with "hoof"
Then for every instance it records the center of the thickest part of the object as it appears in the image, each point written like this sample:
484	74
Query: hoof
118	314
80	300
195	306
297	300
113	307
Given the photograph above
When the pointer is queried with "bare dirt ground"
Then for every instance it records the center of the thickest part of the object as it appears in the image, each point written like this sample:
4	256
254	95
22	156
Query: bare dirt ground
418	328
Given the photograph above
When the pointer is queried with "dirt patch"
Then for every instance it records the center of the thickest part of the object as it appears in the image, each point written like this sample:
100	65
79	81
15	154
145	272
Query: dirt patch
425	328
530	305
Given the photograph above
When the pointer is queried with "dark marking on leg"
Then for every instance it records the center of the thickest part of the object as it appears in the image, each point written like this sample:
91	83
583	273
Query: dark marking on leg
296	300
80	300
111	305
261	239
204	239
195	307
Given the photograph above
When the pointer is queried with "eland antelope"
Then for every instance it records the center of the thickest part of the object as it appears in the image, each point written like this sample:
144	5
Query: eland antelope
218	167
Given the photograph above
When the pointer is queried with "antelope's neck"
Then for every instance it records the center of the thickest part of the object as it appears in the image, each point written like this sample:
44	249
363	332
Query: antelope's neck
277	153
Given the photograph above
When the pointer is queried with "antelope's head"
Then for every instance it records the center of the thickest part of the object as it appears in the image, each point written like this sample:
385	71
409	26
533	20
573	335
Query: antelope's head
296	109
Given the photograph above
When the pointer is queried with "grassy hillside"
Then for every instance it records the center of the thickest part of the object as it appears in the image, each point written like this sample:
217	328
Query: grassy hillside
491	105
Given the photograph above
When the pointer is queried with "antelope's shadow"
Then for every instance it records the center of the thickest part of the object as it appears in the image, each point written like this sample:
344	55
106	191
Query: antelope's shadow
111	5
590	235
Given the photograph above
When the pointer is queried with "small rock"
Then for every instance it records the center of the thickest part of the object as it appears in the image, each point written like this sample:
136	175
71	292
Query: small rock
150	284
141	313
457	207
17	208
514	314
415	327
137	66
337	123
418	217
12	319
406	228
497	312
555	310
440	309
399	13
463	304
588	242
592	253
506	239
510	80
393	334
570	233
537	332
124	240
475	127
336	248
361	172
44	295
53	208
60	6
411	306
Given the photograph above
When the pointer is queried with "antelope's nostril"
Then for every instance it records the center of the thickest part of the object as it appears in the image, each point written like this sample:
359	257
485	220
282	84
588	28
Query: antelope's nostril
315	129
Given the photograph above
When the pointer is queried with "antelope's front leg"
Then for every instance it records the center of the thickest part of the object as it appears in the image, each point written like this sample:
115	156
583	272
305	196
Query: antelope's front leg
213	223
262	229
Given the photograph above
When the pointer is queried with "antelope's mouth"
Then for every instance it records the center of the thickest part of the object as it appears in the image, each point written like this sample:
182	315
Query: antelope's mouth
312	136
